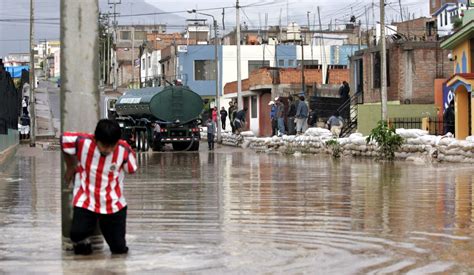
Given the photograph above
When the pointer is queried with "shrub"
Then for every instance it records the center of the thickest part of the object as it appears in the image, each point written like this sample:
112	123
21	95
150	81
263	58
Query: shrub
335	147
388	141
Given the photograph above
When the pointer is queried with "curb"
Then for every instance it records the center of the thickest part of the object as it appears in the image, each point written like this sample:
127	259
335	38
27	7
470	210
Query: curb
7	155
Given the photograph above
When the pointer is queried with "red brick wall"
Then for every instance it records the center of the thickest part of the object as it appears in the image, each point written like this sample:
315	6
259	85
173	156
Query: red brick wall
293	76
428	63
261	76
336	76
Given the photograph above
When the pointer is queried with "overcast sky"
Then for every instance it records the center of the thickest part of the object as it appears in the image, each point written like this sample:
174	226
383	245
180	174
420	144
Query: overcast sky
14	35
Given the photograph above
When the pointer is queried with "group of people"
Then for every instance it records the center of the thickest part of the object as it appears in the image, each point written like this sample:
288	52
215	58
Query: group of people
237	121
298	117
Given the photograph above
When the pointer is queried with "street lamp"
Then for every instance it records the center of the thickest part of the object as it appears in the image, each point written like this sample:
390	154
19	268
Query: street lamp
217	71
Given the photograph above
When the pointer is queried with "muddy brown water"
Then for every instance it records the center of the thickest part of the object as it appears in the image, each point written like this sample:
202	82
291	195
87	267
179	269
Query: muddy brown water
236	211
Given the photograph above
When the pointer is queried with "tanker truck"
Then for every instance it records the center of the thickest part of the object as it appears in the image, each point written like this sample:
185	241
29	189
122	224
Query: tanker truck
175	108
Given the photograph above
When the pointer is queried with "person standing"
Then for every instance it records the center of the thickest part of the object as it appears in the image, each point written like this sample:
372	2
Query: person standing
449	119
280	115
95	164
344	91
211	132
214	114
231	112
274	123
223	114
302	113
291	116
335	123
157	137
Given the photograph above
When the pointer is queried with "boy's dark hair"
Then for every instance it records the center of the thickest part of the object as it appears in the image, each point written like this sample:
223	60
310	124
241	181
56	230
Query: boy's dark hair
108	132
302	98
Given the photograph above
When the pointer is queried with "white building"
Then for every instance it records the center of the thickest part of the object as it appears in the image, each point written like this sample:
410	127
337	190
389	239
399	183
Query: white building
447	15
150	69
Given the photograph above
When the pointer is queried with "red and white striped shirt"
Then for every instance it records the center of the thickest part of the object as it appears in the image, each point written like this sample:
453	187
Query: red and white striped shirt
98	182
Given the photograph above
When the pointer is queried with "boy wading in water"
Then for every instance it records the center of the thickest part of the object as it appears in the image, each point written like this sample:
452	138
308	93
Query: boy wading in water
96	165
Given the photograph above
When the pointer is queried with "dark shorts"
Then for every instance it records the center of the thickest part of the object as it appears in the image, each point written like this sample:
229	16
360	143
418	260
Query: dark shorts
112	226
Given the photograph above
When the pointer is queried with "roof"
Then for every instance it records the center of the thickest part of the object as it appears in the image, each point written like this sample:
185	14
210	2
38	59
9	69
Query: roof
443	7
461	35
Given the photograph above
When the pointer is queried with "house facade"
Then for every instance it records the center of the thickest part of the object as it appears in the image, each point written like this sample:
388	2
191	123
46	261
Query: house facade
461	82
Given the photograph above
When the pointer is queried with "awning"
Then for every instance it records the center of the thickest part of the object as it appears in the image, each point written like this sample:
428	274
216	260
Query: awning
457	80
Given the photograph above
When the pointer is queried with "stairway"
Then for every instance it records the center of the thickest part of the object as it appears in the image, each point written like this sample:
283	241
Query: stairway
350	107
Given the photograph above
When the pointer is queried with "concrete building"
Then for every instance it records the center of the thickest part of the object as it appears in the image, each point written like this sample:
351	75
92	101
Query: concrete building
127	51
461	81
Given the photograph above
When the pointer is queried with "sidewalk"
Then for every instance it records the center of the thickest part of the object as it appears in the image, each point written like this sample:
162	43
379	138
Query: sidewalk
44	121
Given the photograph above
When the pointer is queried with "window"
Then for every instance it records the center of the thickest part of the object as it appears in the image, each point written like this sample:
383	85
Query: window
256	64
254	106
125	35
376	70
307	62
446	17
140	35
149	62
204	70
291	63
281	63
143	64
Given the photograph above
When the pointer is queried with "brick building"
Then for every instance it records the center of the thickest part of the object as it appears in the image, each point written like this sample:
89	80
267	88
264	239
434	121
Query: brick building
412	68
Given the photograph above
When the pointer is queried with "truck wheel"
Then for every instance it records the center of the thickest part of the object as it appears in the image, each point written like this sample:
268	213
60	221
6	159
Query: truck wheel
145	144
195	146
138	141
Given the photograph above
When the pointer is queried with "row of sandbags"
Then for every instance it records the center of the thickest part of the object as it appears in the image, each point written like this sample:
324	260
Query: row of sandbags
417	143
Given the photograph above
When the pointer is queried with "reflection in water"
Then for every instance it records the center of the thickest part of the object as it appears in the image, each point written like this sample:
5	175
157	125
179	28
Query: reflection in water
235	210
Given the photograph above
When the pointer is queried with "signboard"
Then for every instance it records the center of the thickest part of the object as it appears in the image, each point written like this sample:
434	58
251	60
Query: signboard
130	100
448	94
182	48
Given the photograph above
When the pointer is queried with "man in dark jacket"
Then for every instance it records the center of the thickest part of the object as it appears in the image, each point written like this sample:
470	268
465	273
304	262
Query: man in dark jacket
448	119
223	114
291	116
239	121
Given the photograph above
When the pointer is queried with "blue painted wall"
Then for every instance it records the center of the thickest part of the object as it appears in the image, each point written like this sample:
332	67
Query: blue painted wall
343	54
286	53
186	67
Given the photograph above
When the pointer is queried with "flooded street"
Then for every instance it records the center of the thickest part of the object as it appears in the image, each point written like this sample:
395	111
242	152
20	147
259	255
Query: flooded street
236	211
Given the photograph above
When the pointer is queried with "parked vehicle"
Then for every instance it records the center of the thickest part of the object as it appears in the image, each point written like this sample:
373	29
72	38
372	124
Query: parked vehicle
176	109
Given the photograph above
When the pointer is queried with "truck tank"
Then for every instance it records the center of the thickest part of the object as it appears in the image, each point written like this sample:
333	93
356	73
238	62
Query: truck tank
173	104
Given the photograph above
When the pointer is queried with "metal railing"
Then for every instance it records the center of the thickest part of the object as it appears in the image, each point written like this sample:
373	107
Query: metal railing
349	110
433	125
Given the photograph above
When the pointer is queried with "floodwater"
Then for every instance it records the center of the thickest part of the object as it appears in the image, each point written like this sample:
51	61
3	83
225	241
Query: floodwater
236	211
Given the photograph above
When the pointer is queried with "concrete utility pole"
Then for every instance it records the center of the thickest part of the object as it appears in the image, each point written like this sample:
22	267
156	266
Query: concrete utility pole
303	86
115	67
79	87
216	64
132	56
32	78
383	62
240	100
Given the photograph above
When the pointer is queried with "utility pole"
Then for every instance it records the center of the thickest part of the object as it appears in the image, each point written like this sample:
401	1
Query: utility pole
79	87
240	100
32	77
115	67
383	62
216	63
303	88
133	57
311	34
